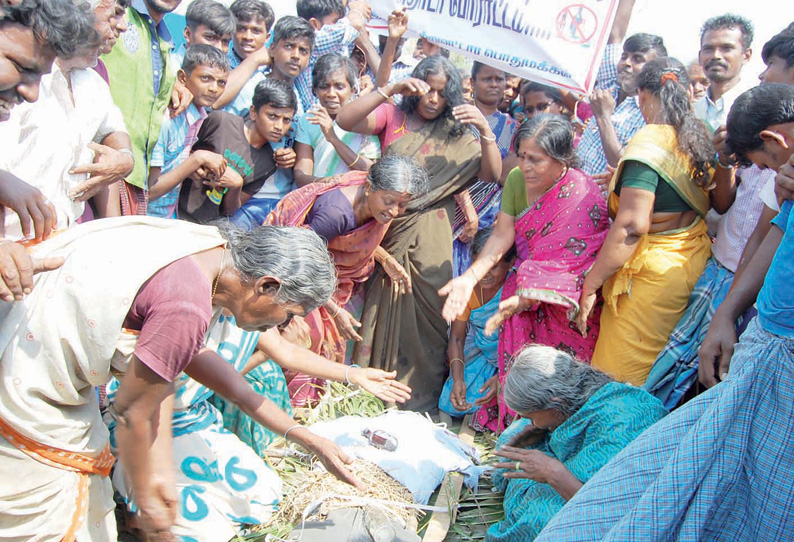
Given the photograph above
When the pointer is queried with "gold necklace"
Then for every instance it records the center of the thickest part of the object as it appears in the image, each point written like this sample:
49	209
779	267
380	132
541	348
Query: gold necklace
218	278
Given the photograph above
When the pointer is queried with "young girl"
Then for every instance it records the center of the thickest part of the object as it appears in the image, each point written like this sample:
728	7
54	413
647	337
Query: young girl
472	354
323	149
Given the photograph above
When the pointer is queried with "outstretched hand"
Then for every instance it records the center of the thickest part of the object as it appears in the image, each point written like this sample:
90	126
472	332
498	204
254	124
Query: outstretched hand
380	384
458	292
335	461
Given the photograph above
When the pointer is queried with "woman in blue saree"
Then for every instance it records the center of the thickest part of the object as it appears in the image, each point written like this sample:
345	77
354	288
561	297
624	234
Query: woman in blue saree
472	354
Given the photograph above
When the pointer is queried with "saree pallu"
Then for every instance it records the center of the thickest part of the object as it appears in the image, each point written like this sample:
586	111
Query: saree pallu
611	418
354	258
557	240
676	367
406	332
480	358
720	467
647	297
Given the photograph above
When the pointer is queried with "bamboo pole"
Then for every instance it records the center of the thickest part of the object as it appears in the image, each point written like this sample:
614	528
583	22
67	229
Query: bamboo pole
440	522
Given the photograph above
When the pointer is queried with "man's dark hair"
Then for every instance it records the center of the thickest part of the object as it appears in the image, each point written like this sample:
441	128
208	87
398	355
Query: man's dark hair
781	45
65	25
201	54
727	21
753	112
288	28
276	93
248	10
319	8
211	14
642	43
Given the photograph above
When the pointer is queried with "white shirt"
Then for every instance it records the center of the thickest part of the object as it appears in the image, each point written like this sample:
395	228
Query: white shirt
44	140
715	112
739	222
768	195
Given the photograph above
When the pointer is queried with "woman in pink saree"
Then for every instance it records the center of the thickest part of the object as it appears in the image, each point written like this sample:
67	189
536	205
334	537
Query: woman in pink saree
557	218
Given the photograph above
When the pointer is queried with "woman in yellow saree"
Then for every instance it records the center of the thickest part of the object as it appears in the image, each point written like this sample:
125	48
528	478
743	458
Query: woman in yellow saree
658	245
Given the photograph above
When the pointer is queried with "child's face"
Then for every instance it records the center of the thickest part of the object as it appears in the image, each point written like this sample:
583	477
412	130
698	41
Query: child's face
334	92
272	123
207	36
206	83
250	36
290	57
497	275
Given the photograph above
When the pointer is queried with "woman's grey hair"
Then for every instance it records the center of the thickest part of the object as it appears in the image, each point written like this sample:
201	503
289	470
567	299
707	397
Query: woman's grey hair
543	377
65	25
553	134
297	257
399	174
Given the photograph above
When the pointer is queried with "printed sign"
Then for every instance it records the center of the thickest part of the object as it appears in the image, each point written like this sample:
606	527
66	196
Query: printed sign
556	42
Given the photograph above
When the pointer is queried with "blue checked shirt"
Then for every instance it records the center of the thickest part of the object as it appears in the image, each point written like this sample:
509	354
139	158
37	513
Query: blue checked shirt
172	148
331	38
627	118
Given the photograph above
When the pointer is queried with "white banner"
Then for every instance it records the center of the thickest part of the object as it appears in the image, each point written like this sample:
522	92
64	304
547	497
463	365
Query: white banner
556	42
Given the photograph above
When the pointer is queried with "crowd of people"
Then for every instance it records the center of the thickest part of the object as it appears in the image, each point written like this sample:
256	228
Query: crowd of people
197	238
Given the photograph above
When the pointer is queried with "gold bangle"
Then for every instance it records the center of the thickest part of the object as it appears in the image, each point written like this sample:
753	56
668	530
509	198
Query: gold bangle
380	91
336	313
456	359
358	157
486	138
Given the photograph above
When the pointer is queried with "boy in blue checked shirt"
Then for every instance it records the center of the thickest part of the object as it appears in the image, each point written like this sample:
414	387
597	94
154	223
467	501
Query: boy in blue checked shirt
336	30
204	72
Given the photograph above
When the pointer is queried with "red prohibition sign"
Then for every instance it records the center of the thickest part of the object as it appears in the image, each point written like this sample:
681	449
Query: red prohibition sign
577	23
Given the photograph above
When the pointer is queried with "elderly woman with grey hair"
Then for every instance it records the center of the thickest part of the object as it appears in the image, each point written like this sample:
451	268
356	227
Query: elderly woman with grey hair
135	297
353	214
574	420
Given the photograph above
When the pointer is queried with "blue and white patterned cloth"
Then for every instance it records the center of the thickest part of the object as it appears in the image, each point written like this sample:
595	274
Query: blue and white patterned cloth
627	118
222	484
719	468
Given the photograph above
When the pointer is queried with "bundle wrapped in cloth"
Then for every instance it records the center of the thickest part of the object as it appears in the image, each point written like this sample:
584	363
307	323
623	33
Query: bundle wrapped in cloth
425	452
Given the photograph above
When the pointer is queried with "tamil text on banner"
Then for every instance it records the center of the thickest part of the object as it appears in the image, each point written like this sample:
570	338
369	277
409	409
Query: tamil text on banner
557	42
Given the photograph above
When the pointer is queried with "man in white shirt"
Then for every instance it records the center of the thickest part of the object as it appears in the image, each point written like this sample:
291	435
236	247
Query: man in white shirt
725	48
55	140
32	34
